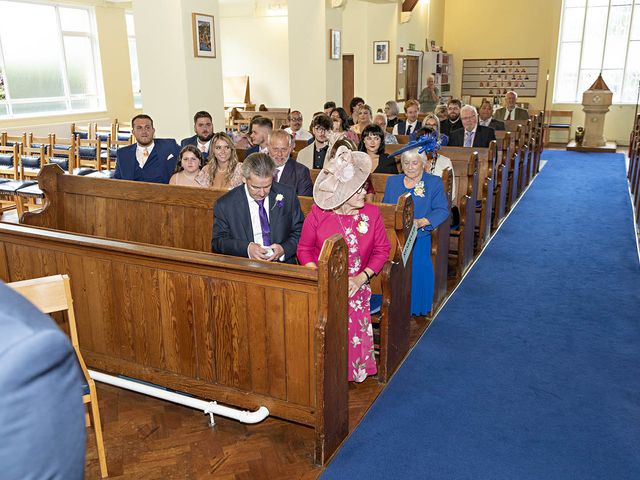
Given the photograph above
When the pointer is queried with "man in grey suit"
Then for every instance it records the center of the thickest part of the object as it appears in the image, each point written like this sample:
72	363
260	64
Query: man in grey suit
510	111
41	413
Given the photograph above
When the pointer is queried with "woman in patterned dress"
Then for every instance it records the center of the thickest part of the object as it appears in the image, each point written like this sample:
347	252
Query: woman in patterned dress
339	194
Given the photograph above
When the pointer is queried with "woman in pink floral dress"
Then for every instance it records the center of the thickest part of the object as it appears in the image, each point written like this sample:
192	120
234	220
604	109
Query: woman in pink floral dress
339	194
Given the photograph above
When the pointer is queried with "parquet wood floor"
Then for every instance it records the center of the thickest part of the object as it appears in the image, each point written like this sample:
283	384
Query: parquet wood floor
147	438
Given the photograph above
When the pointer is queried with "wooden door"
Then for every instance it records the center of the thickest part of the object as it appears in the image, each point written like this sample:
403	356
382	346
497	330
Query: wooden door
412	76
347	80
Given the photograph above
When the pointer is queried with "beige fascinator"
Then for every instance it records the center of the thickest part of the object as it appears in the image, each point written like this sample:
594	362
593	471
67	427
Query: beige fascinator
341	177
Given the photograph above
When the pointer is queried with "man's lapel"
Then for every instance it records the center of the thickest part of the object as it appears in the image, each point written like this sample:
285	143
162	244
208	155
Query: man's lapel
286	172
245	213
275	215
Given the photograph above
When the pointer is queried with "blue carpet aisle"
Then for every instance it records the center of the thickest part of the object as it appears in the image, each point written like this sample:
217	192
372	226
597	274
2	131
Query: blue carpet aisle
532	369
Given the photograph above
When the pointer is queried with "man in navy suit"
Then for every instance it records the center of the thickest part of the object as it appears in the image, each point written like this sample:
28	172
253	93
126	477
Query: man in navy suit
261	128
472	135
41	413
203	126
288	171
486	119
148	160
260	219
411	125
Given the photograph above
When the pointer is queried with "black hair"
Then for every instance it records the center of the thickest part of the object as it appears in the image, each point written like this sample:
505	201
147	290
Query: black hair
372	129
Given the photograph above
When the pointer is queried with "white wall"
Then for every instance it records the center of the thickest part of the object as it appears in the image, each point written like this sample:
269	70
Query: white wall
258	47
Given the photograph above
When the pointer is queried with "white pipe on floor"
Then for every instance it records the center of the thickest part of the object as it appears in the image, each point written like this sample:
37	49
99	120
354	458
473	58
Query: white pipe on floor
209	408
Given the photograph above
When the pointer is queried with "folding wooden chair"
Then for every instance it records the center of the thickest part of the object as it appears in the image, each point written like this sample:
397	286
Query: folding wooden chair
53	294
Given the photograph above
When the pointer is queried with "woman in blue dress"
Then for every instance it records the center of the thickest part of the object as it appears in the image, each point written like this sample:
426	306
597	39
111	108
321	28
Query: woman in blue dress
430	210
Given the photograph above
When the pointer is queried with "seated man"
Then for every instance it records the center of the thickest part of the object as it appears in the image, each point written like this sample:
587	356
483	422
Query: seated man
261	128
313	155
288	171
486	116
472	135
39	377
148	160
411	124
260	219
510	111
295	126
452	122
203	126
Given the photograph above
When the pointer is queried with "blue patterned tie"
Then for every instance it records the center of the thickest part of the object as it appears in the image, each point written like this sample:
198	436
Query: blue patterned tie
264	223
468	139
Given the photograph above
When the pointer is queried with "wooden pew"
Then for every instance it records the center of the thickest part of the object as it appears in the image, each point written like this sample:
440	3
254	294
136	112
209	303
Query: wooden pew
515	163
230	329
461	242
243	117
501	185
440	249
485	192
184	219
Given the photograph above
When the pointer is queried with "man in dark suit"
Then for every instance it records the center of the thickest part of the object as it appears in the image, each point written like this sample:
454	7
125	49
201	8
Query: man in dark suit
452	122
203	126
260	219
486	119
472	135
411	124
261	128
39	377
147	160
288	171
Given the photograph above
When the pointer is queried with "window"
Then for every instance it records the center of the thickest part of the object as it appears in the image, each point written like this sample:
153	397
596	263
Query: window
55	70
598	36
133	59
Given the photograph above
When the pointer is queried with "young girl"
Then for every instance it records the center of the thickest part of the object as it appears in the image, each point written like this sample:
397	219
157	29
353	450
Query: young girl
188	167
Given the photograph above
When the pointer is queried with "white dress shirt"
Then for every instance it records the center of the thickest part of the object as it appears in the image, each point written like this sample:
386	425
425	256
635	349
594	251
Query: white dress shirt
254	212
301	134
203	147
412	125
510	114
140	157
485	123
278	172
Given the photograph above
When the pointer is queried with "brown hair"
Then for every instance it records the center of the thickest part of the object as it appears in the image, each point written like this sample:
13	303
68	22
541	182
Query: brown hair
411	103
213	161
192	149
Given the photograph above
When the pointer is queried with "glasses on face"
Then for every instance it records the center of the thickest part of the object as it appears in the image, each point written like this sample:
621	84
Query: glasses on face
320	130
467	118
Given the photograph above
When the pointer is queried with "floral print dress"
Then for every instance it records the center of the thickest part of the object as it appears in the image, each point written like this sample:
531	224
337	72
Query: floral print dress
362	360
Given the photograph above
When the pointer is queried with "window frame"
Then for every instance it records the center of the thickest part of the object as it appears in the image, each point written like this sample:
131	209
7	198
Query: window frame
68	98
577	100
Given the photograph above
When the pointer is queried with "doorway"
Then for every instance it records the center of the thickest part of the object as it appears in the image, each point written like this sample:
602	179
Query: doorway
347	80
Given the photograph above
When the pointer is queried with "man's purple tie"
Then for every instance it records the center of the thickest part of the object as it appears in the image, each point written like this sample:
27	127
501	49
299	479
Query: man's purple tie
264	223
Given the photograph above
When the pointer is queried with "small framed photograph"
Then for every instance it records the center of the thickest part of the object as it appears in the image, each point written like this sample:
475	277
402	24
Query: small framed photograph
335	48
381	52
204	36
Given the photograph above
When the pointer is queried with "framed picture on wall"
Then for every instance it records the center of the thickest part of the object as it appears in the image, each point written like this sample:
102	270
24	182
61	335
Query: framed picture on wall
335	49
204	37
381	51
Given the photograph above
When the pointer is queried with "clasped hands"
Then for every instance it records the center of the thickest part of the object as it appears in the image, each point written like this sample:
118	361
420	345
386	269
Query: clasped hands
421	222
270	254
355	283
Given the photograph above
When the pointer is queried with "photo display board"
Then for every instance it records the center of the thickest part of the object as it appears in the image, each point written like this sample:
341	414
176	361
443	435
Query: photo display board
491	77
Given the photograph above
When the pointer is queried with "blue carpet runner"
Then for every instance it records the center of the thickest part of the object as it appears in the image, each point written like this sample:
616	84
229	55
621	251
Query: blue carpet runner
532	369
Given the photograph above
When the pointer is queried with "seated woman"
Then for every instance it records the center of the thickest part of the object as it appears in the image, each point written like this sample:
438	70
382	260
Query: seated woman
372	143
380	119
341	124
430	209
365	115
437	163
441	112
433	122
188	167
223	172
340	208
391	110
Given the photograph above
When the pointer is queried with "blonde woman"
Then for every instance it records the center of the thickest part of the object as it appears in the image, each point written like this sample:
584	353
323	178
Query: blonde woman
223	172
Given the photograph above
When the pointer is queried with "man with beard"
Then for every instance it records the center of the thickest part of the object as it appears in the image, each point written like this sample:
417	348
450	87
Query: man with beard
149	159
203	126
313	155
453	121
288	171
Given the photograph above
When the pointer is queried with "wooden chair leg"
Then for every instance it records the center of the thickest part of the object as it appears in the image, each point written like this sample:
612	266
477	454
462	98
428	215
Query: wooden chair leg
97	427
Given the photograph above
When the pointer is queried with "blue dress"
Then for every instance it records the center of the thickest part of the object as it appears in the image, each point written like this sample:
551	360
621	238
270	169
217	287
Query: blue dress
429	202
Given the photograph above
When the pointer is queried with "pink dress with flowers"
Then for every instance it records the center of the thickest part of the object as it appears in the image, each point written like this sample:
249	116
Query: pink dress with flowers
369	246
